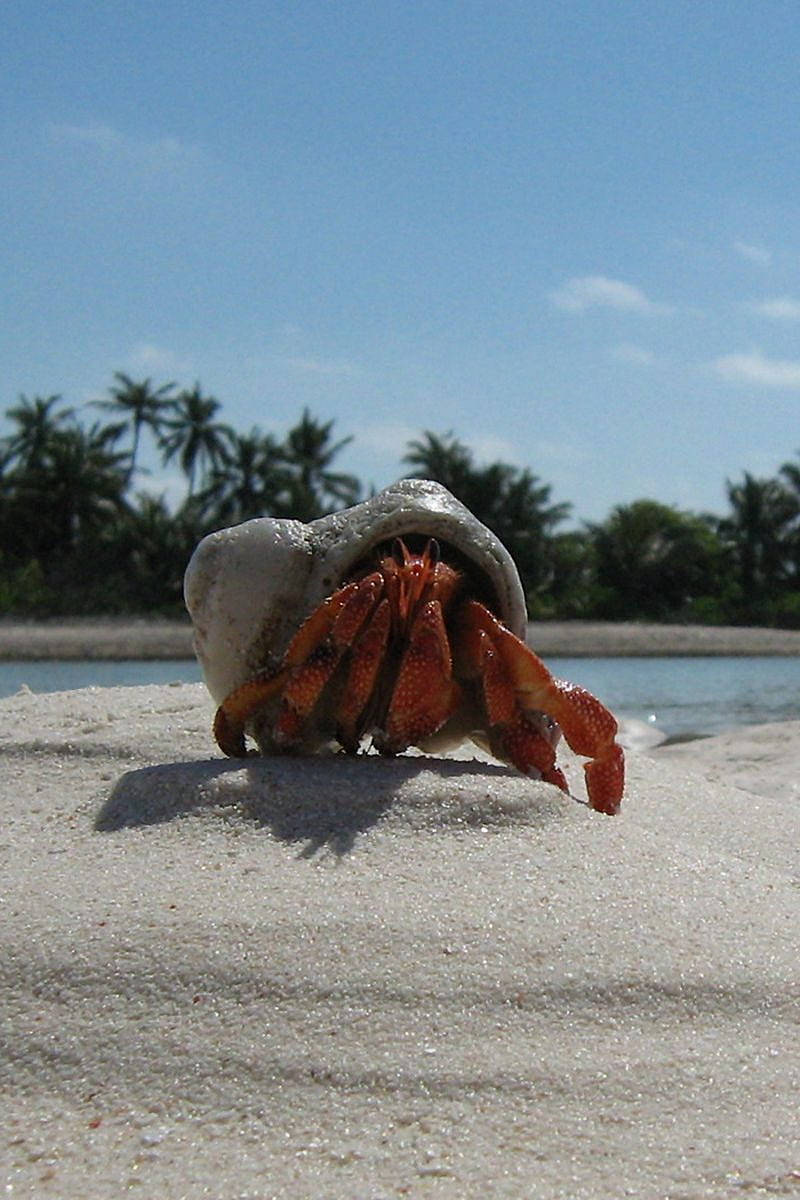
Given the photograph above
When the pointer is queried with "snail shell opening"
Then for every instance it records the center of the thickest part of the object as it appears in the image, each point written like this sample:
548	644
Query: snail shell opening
250	587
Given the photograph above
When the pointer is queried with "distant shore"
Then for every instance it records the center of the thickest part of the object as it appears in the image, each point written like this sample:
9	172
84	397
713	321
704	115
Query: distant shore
139	638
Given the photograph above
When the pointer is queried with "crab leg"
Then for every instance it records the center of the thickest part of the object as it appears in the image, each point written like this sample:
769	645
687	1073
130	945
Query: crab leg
366	661
239	706
424	694
310	660
352	605
588	726
515	736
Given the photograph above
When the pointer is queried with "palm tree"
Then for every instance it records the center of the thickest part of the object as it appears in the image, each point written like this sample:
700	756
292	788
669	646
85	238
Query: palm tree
142	405
36	422
252	482
791	473
71	492
759	532
499	494
654	561
309	453
194	435
512	502
444	459
154	546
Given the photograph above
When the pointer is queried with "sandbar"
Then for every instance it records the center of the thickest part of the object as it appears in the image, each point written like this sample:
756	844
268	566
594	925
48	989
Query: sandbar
96	638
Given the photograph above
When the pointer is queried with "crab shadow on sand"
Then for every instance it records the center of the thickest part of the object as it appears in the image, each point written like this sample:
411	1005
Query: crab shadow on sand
329	802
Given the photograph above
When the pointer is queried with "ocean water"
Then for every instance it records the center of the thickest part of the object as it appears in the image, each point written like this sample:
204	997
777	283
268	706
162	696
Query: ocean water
682	697
58	676
691	697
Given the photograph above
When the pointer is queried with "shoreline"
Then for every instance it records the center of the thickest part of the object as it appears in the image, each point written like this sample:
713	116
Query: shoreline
631	639
117	639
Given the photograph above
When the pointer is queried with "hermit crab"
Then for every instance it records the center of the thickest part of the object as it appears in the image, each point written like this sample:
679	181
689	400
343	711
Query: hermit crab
399	622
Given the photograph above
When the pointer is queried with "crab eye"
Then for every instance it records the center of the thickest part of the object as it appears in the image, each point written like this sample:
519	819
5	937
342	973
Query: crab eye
432	550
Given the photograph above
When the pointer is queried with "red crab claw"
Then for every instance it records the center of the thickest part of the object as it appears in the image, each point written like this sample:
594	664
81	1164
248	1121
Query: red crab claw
518	689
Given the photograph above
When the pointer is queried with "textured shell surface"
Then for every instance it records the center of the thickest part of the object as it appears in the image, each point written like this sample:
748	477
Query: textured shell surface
249	588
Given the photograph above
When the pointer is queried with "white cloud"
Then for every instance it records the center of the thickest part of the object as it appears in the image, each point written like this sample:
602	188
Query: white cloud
758	255
598	291
628	352
755	368
781	308
153	154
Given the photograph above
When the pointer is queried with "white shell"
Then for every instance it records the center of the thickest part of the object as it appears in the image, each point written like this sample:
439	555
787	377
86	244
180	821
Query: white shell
249	588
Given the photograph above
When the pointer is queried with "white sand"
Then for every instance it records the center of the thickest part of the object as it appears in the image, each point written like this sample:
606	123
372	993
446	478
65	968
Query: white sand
375	979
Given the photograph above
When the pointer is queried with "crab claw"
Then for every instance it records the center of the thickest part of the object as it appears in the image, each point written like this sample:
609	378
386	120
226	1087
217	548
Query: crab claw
309	663
520	693
239	706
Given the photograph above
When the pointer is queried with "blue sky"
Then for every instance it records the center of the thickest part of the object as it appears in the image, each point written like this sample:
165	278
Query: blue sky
568	233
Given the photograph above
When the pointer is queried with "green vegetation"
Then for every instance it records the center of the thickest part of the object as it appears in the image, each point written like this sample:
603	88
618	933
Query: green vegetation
78	534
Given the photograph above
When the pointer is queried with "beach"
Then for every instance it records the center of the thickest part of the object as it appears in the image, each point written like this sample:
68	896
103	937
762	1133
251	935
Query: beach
379	978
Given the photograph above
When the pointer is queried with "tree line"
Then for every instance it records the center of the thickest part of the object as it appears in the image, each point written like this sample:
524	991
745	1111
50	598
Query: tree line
80	534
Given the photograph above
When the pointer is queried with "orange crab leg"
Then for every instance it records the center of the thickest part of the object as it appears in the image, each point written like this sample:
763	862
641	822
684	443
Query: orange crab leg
366	661
309	661
239	706
425	693
524	744
588	726
318	658
514	735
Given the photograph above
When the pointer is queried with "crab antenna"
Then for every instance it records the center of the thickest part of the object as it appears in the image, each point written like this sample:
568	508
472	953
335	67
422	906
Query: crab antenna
432	551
